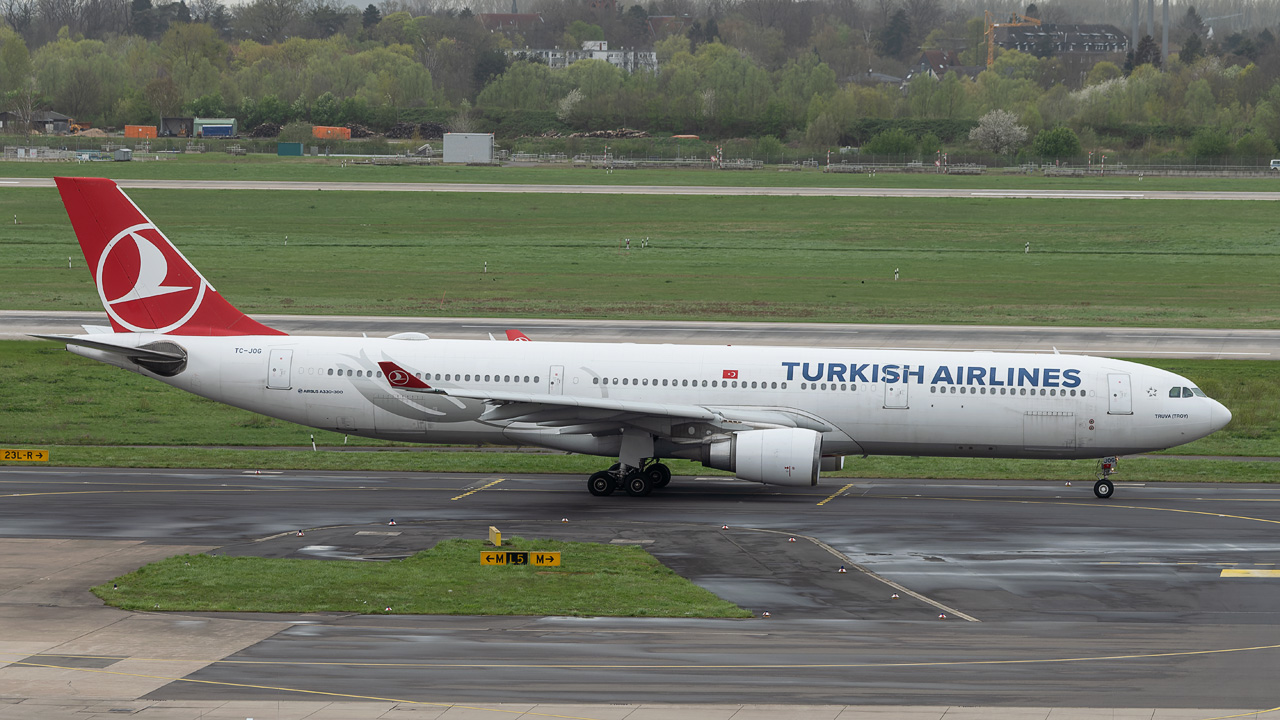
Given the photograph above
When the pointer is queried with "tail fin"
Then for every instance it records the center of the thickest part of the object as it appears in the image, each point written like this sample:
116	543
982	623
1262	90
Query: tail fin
144	283
517	336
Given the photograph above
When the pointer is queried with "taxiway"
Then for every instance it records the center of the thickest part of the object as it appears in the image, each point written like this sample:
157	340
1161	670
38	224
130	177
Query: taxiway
1052	598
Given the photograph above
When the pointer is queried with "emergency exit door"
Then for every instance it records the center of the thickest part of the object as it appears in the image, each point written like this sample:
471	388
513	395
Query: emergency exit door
278	367
1119	394
555	380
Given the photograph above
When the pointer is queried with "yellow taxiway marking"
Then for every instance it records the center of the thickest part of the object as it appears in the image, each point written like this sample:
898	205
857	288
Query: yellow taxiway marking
525	713
482	487
836	494
1108	506
304	692
1247	572
637	666
1253	714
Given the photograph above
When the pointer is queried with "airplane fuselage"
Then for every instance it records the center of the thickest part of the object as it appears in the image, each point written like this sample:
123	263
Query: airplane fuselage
875	402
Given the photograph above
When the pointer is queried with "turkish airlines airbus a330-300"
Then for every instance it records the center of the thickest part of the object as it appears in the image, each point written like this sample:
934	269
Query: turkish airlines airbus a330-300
775	415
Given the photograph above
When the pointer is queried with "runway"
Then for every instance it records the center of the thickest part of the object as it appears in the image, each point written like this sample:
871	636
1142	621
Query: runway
1102	341
1052	598
622	189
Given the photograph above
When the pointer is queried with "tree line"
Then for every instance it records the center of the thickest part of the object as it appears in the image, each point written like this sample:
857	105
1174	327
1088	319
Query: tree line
754	68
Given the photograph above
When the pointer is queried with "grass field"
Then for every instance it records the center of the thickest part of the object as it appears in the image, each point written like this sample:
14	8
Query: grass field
220	166
594	580
1126	263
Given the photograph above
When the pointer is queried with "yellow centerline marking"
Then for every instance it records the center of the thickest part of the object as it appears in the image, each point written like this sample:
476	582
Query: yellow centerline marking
579	717
482	487
1255	713
836	494
692	665
298	690
1245	572
1081	504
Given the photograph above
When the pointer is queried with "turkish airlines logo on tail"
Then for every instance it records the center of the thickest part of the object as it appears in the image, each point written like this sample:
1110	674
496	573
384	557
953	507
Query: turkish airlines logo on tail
144	282
398	378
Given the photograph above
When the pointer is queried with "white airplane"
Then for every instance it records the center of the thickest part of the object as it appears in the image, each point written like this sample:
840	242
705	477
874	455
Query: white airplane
775	415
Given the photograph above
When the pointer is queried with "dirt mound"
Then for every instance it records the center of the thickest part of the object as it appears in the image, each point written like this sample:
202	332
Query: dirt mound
265	130
619	134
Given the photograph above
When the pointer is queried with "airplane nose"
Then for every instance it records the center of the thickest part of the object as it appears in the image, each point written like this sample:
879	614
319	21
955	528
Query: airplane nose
1219	416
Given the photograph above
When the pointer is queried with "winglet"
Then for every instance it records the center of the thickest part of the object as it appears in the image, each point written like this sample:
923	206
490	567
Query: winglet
402	379
517	336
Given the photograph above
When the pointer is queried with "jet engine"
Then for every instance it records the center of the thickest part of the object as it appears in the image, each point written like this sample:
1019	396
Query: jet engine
783	456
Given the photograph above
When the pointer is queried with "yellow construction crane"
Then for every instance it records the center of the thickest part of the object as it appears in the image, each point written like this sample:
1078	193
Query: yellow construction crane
1015	20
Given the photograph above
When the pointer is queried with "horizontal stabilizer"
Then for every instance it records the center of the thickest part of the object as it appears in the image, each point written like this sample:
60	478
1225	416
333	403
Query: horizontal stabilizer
130	352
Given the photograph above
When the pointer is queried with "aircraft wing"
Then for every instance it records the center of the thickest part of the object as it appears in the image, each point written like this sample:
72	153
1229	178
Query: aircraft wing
604	415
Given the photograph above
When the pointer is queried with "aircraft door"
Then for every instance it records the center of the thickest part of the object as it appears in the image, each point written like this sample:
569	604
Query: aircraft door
1119	394
895	395
555	380
278	369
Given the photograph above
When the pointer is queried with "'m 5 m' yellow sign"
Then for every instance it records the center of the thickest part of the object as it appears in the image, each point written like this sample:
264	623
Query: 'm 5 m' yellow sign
519	557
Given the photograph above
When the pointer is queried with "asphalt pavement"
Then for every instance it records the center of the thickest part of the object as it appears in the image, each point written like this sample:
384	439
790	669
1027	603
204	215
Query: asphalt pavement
1160	600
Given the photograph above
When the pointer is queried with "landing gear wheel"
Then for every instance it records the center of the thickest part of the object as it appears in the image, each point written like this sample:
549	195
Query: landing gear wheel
659	475
1103	488
600	483
638	484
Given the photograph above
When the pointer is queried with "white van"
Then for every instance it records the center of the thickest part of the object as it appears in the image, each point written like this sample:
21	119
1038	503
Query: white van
1275	164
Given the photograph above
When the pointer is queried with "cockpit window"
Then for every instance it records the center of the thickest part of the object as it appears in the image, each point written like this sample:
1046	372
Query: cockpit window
1175	392
1197	392
1186	392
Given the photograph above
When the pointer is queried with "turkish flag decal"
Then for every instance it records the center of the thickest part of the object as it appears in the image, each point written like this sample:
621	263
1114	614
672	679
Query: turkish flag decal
730	375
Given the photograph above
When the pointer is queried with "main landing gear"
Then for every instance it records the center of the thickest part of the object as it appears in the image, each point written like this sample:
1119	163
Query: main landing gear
637	482
1104	488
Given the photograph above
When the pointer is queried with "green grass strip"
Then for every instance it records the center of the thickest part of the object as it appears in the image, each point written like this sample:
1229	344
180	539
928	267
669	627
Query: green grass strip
1151	468
594	580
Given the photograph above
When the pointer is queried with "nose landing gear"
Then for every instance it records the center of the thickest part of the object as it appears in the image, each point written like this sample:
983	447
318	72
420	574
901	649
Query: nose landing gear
1104	488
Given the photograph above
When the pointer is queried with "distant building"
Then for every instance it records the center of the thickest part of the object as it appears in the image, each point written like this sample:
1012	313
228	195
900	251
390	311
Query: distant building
628	60
42	121
1064	39
873	78
937	63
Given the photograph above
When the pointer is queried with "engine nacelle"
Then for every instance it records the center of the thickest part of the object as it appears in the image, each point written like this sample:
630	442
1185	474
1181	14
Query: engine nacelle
784	456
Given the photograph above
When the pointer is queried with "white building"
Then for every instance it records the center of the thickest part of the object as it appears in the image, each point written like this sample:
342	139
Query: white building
628	60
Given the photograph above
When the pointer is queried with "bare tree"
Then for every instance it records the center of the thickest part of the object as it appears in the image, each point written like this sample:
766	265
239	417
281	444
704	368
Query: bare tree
925	15
55	14
99	18
18	14
267	20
